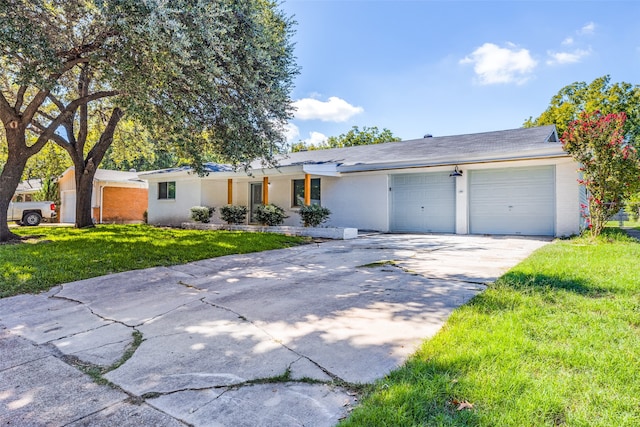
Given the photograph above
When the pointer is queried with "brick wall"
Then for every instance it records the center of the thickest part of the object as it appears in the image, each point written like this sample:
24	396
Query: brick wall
121	204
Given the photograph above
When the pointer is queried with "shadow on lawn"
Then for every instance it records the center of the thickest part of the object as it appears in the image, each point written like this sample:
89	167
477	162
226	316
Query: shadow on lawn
544	283
541	283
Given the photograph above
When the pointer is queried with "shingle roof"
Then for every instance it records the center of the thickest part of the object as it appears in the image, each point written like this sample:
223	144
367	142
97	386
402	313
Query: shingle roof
443	149
208	168
111	175
115	176
514	144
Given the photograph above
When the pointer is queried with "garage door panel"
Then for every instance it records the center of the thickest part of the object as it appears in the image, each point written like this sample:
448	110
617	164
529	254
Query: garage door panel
423	202
512	201
68	206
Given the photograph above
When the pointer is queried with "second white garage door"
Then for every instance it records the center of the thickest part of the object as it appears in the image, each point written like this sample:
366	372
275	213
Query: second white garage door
512	201
423	203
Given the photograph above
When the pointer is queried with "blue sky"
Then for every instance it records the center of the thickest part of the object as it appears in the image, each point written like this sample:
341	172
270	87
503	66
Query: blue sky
450	67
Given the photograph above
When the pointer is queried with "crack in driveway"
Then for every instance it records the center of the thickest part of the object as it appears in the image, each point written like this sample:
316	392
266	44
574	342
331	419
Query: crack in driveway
276	340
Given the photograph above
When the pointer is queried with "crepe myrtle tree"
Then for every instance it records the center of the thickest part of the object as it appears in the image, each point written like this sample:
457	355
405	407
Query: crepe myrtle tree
202	77
608	162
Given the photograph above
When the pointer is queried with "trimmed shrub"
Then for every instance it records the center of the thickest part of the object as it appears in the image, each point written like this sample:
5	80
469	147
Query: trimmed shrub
270	215
233	214
202	213
313	215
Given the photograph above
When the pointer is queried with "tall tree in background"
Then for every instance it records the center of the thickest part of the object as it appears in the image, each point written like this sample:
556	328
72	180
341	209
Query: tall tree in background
202	77
608	161
355	136
599	95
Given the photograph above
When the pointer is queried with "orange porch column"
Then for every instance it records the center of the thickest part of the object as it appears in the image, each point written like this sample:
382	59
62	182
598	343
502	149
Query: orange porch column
307	189
230	191
265	190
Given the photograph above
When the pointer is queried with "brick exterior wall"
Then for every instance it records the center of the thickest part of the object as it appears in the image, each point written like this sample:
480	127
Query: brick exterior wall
120	204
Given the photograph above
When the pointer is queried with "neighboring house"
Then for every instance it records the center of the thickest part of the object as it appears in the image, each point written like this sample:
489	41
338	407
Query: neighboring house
26	190
516	181
117	197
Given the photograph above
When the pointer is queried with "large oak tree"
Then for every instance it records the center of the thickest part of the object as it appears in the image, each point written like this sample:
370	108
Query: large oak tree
201	76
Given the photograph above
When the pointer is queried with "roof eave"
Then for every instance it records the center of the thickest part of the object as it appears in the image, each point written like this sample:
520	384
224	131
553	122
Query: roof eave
370	167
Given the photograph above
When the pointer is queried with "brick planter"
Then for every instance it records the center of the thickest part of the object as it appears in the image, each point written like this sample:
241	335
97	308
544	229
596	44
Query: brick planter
337	233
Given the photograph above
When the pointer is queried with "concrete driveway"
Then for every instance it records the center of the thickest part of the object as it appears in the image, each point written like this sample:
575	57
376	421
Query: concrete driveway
267	339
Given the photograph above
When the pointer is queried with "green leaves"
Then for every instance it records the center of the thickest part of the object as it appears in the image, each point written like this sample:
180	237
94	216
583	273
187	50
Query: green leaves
355	136
599	95
366	136
212	75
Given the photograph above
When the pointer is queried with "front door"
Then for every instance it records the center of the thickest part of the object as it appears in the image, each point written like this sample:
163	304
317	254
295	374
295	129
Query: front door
256	199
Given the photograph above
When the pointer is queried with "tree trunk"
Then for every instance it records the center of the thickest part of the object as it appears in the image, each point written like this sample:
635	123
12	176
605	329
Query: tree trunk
10	178
84	190
85	170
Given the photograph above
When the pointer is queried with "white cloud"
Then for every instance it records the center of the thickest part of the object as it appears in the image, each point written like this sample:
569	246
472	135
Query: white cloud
332	110
588	28
567	57
568	41
292	132
315	138
494	64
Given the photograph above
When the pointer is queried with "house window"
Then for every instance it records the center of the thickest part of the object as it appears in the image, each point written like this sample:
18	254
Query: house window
167	190
298	192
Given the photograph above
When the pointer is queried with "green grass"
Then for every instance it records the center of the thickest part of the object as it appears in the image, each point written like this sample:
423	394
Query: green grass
62	254
555	341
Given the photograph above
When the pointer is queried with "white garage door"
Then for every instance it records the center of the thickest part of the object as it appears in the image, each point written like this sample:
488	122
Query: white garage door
423	202
512	201
68	206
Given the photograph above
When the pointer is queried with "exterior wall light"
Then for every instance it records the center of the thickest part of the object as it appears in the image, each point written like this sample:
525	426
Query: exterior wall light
456	172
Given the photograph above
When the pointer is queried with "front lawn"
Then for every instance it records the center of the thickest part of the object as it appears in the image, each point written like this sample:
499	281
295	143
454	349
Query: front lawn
62	254
555	341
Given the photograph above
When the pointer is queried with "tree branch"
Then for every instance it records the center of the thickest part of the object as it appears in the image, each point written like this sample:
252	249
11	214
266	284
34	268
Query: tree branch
20	98
46	116
88	47
66	114
6	112
40	128
83	90
67	66
34	105
106	139
57	102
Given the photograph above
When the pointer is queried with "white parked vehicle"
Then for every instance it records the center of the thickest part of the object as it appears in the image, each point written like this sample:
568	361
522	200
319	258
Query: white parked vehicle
31	213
